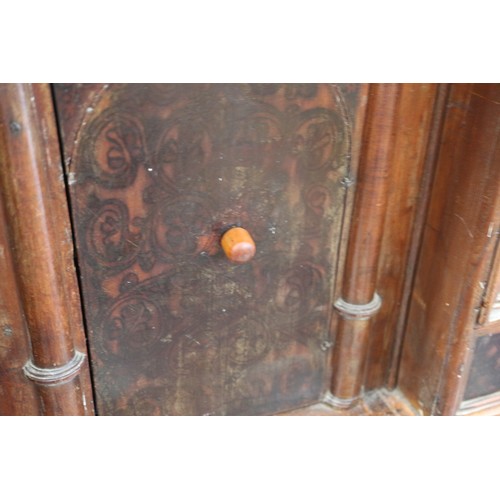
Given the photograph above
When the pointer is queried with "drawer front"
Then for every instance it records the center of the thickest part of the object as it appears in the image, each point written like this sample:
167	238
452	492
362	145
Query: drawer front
157	174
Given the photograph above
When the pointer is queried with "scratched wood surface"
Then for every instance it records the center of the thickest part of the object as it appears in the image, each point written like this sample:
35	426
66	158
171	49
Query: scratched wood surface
408	186
457	244
156	173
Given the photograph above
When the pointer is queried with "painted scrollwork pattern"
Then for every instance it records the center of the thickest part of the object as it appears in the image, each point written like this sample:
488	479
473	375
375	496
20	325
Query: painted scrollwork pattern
115	150
161	171
109	242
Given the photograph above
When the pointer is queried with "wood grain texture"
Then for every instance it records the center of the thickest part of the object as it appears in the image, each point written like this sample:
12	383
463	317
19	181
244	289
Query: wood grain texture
447	294
17	394
360	273
38	221
157	174
417	123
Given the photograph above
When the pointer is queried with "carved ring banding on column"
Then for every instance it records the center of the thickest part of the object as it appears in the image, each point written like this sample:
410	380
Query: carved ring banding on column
358	311
53	376
336	402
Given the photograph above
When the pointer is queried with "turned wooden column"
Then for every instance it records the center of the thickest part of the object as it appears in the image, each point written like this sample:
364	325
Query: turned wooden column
32	183
359	300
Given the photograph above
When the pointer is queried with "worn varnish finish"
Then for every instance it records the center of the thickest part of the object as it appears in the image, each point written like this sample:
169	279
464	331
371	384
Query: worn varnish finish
419	110
157	173
17	394
38	221
360	273
418	115
457	243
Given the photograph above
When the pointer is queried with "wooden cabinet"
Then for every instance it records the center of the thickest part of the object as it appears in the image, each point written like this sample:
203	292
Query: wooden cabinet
373	209
158	175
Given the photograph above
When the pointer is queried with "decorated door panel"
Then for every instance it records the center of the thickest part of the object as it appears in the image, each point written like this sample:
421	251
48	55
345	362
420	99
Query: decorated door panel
157	174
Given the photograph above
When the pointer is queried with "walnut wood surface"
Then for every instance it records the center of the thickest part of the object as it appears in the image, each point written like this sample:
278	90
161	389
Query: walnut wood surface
38	221
360	273
417	124
457	243
17	394
418	114
157	173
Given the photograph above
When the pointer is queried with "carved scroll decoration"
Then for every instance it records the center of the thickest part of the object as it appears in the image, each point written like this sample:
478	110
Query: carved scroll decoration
160	172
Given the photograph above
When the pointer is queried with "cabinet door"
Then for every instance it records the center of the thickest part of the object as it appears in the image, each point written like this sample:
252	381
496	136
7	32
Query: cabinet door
157	174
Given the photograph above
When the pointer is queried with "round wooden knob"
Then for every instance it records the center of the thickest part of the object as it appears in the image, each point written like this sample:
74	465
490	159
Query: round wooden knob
238	245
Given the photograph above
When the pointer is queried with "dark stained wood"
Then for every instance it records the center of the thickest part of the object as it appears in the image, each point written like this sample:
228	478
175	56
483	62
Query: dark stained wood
36	210
360	274
457	242
484	375
157	174
75	104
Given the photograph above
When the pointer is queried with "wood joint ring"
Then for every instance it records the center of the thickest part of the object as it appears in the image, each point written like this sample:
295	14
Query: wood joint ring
54	376
358	311
335	402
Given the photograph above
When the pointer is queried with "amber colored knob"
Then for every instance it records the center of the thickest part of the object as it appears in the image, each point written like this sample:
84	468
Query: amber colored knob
238	245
